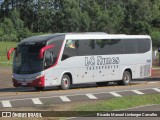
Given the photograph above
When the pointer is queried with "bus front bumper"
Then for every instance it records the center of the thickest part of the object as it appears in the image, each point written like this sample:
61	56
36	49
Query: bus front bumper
39	82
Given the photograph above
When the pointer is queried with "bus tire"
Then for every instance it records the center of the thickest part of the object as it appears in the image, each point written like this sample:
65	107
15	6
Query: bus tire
65	82
126	78
102	83
39	88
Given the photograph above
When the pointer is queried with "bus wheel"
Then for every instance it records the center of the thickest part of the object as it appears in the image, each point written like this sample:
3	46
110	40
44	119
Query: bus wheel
39	88
102	83
126	78
65	82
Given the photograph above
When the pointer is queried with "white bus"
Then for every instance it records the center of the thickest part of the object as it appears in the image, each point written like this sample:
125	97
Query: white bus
64	59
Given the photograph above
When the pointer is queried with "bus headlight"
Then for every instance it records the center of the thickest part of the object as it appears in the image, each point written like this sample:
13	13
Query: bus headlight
39	76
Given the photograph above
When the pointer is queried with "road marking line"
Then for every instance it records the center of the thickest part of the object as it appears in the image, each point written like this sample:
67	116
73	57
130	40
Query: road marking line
65	99
91	96
137	92
156	89
6	103
152	82
70	95
36	101
115	94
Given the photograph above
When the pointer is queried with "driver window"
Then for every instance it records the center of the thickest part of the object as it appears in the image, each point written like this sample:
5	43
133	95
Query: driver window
49	59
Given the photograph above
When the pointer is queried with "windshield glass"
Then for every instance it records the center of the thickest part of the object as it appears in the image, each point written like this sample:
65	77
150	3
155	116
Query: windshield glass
26	59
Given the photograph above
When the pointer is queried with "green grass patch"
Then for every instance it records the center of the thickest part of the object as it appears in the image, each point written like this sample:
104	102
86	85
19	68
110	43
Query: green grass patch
120	103
154	66
4	47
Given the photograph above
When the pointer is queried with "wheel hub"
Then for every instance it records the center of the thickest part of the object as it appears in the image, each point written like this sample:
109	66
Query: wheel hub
65	82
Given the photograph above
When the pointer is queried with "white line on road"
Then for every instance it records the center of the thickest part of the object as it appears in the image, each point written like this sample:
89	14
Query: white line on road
6	103
90	96
115	94
152	82
156	89
65	99
70	95
137	92
36	101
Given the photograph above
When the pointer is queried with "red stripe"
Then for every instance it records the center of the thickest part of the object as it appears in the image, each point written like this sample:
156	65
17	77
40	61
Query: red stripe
41	53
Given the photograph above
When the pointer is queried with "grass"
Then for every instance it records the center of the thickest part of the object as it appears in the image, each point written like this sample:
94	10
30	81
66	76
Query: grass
155	66
120	103
4	47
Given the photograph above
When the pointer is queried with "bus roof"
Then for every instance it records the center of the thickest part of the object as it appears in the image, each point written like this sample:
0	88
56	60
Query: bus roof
97	35
41	38
83	35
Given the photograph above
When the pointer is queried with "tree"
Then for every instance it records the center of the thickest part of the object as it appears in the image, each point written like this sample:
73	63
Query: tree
67	18
155	35
8	32
137	17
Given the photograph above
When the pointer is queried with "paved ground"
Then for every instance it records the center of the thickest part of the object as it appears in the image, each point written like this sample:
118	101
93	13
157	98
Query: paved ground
33	98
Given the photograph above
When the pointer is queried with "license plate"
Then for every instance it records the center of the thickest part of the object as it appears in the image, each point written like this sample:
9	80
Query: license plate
24	83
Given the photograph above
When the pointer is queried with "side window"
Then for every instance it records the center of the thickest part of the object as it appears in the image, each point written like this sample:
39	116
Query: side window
73	44
86	47
115	46
131	46
143	45
101	47
109	46
70	49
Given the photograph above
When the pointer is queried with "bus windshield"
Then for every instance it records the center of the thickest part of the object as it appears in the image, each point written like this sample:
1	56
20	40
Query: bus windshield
26	59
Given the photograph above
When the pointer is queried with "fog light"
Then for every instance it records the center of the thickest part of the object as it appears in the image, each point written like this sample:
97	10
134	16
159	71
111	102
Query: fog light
39	82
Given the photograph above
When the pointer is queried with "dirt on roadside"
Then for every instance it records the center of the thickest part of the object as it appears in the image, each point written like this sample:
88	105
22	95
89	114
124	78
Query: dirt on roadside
6	77
155	73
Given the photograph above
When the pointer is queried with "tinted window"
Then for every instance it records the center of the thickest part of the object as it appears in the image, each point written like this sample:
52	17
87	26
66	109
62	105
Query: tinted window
26	59
105	47
78	48
143	45
131	46
114	46
70	49
85	47
56	49
51	55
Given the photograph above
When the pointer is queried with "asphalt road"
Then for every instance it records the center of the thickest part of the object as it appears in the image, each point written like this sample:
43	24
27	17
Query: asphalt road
22	97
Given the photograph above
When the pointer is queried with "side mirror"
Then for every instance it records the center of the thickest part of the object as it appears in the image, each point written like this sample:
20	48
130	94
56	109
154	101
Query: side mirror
9	52
41	53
